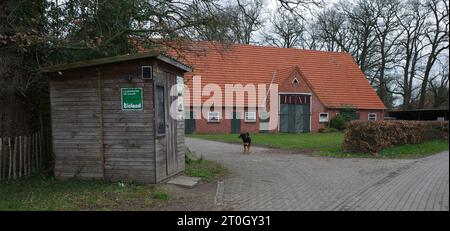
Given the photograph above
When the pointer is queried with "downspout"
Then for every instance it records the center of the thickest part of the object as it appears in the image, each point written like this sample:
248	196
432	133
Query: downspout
267	94
270	85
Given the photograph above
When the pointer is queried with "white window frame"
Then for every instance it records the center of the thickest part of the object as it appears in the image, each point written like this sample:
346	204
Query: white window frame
151	72
209	117
320	119
295	79
246	116
374	114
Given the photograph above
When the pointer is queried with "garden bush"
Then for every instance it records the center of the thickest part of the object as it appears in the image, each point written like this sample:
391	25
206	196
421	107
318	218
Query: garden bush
338	122
327	130
372	136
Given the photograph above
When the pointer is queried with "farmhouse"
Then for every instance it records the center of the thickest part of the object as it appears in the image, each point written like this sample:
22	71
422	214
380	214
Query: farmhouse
110	118
313	87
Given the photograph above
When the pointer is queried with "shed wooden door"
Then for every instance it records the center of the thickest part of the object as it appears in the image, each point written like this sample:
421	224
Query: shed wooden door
171	133
166	126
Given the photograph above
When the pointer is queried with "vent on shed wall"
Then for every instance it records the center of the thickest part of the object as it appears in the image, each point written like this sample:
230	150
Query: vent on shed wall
147	72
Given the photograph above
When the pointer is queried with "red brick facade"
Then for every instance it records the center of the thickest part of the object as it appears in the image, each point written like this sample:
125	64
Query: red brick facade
286	85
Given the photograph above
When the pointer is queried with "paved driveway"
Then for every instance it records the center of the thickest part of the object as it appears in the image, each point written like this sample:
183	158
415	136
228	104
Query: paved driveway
271	179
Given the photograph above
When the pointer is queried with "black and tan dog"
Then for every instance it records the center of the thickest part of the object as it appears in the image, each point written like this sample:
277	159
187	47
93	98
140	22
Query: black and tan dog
247	141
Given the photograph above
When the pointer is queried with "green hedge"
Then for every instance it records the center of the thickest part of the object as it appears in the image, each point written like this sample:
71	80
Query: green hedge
338	122
372	136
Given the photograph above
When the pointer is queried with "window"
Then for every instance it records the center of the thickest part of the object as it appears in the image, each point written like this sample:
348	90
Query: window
372	116
213	116
295	81
160	111
147	72
323	117
250	116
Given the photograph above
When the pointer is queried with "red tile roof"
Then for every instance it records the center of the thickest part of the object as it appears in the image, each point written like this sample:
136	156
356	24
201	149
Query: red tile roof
334	76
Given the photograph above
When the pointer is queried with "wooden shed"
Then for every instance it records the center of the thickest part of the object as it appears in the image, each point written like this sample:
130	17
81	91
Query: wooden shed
111	118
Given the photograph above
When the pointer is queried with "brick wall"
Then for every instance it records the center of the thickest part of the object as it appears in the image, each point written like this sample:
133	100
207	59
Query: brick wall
285	86
224	125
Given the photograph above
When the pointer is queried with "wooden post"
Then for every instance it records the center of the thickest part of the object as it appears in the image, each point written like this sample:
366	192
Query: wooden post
43	147
38	161
31	153
15	158
20	157
34	150
28	154
25	155
38	148
41	143
10	158
1	158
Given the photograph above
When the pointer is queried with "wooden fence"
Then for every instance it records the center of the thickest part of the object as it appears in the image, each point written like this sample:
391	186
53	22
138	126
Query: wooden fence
22	155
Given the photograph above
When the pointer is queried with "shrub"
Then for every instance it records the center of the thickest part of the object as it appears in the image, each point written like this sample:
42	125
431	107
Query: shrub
372	136
349	113
338	122
332	130
327	130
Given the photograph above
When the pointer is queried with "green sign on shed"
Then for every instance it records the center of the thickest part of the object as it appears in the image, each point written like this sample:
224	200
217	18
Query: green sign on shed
132	99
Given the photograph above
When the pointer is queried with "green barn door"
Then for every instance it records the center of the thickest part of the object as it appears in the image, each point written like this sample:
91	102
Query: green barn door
302	117
295	118
189	123
284	118
235	123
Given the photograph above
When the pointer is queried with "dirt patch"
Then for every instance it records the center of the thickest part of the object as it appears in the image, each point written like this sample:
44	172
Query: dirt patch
199	198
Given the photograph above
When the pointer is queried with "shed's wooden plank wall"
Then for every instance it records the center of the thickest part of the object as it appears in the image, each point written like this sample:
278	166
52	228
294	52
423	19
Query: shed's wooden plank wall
128	135
75	110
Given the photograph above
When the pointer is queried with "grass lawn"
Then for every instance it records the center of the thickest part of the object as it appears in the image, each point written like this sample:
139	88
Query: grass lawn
42	192
402	151
302	141
328	144
207	170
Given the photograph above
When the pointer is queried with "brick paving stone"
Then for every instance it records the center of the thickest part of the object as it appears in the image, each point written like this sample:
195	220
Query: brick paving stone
272	179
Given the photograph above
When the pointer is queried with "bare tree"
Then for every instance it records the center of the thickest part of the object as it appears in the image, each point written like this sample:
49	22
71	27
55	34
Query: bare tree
361	20
333	30
247	19
299	7
351	28
437	37
287	30
411	18
438	86
217	25
386	29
